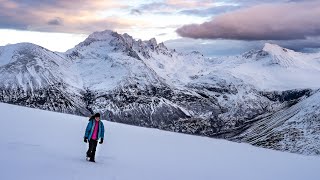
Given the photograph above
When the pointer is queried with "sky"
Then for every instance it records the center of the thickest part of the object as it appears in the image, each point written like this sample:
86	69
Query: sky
213	27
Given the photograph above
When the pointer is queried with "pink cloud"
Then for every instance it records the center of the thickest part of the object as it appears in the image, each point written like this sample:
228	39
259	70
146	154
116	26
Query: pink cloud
8	4
61	16
283	21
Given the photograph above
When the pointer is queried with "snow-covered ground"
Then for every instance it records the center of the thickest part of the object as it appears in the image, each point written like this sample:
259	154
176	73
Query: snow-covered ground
36	144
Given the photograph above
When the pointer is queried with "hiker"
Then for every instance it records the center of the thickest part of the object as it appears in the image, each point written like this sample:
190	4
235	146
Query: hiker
94	132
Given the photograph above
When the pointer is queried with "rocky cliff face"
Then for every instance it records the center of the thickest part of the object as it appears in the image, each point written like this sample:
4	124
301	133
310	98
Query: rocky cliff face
146	84
294	129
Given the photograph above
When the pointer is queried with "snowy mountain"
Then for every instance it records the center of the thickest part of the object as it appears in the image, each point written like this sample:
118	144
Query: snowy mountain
146	84
295	129
275	68
36	144
36	77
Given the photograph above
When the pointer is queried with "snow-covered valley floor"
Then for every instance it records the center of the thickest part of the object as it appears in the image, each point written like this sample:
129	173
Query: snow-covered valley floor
36	144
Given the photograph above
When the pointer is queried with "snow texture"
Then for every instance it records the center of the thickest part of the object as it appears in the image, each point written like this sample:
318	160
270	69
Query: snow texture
38	144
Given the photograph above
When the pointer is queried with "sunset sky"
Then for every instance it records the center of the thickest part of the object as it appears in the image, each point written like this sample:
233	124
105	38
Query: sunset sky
214	27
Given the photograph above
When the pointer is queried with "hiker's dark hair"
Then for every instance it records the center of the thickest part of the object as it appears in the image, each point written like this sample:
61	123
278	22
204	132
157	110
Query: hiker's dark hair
94	116
97	115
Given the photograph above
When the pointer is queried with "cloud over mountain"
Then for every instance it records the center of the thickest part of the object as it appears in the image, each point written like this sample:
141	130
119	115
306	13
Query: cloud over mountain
283	21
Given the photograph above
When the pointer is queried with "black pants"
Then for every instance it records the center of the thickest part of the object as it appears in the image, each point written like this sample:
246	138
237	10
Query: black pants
92	149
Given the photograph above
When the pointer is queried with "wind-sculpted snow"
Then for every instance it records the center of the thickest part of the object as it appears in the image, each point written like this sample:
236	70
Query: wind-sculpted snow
146	84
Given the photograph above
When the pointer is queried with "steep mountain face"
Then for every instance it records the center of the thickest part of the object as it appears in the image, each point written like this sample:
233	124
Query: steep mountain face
295	129
146	84
36	77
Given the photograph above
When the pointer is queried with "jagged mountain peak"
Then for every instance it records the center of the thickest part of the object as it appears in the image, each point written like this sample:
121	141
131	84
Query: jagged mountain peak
109	35
101	35
152	42
107	38
105	42
162	45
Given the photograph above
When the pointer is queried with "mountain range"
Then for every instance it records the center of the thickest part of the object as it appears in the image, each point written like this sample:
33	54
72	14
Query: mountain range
268	98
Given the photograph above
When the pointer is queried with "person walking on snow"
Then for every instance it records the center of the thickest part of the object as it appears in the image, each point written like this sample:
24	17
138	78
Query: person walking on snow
94	132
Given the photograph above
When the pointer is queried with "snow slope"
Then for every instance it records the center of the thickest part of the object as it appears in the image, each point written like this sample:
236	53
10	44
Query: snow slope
36	144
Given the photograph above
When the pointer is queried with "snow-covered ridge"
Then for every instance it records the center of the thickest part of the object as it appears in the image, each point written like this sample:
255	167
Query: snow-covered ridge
113	42
276	49
282	56
9	53
26	61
